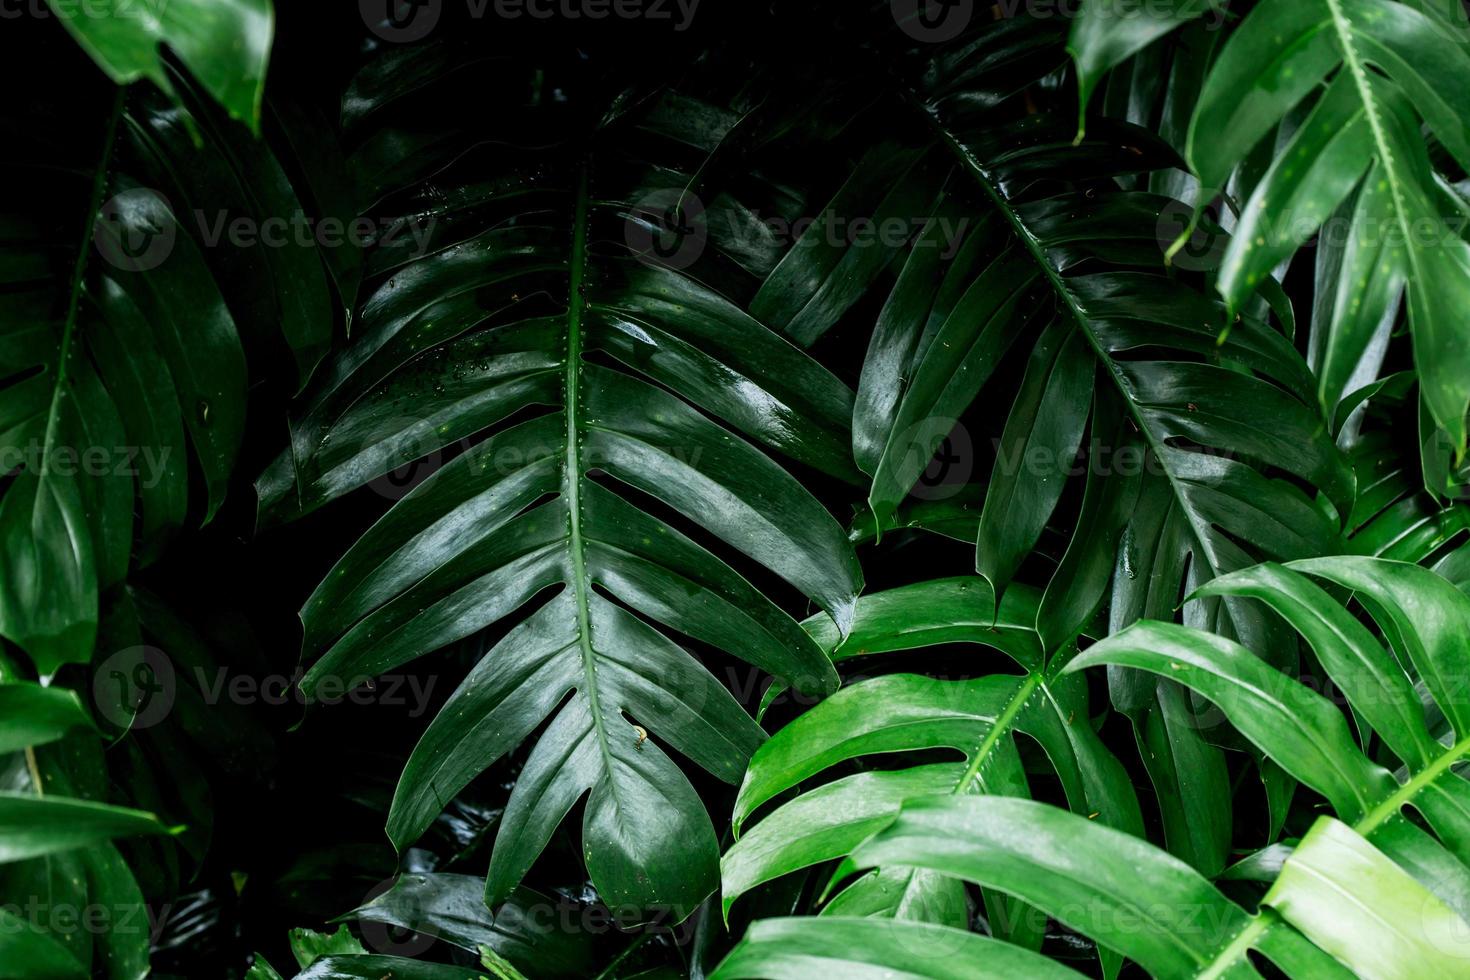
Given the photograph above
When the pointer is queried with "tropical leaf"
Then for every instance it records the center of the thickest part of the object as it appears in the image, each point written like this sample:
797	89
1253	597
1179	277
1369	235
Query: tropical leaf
1377	69
1425	620
1196	433
95	877
1131	897
260	969
1400	931
36	715
1070	271
69	533
907	712
1334	890
55	854
859	947
1105	34
620	349
33	826
375	967
121	350
451	908
226	45
1393	516
547	524
308	946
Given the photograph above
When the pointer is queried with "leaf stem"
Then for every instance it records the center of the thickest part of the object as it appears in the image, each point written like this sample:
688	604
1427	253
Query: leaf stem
35	770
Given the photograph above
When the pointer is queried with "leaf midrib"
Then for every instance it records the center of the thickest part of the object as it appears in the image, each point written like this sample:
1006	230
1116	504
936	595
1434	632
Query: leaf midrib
1079	316
1343	27
1411	788
573	470
1000	727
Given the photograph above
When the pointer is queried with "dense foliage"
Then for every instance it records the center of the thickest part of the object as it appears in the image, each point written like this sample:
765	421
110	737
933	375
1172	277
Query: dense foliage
769	490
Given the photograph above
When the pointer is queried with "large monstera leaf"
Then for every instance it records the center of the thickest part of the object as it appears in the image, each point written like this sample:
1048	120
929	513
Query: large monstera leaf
1068	268
979	718
1197	431
1205	413
610	375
